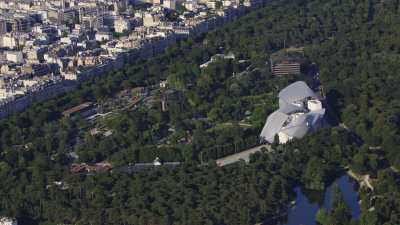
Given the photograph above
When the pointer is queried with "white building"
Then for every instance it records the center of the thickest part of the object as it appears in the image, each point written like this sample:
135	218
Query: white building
170	4
103	36
122	25
226	3
212	4
190	5
15	56
8	221
70	76
69	40
151	20
8	41
300	112
163	84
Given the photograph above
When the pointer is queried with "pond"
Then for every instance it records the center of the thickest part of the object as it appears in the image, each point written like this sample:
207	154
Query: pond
308	202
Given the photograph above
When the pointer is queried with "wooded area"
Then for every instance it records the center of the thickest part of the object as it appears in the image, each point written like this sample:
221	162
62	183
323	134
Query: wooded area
356	47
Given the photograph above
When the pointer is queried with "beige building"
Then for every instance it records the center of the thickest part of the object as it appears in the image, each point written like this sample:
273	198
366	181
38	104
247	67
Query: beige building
170	4
157	2
151	20
212	4
8	41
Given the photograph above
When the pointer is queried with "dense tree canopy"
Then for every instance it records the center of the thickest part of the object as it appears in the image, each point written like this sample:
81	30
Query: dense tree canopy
217	111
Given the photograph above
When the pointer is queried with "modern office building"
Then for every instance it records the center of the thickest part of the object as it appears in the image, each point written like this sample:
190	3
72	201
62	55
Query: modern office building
300	112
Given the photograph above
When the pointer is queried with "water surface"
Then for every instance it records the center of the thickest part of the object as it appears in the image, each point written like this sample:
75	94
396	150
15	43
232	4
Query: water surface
308	202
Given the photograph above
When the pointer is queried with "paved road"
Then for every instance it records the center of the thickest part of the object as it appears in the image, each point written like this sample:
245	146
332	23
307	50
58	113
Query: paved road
245	155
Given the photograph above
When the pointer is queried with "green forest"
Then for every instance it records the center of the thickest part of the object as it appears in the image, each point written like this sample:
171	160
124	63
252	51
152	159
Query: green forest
356	46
